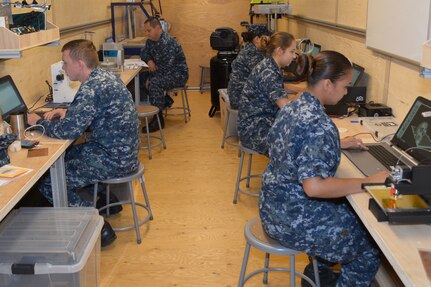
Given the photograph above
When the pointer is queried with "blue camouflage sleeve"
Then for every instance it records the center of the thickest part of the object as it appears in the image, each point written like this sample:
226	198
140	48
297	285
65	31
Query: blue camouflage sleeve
274	84
78	118
318	155
146	52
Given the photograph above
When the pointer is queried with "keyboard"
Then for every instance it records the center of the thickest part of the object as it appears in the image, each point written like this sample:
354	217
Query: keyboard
383	156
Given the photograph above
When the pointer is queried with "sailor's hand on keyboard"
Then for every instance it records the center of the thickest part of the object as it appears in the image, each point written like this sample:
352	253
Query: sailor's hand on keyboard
353	143
55	114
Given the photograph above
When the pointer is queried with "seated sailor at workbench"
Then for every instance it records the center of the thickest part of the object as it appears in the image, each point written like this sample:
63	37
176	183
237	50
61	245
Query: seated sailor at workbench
167	67
302	204
103	105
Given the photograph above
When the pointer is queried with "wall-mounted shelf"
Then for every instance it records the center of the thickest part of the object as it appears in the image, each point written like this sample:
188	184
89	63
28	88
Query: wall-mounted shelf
12	44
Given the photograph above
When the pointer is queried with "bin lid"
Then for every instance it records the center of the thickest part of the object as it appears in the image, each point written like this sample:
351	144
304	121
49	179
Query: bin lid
54	236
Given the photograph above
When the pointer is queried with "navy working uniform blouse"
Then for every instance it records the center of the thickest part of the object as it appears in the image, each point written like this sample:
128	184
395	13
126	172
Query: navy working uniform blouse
305	144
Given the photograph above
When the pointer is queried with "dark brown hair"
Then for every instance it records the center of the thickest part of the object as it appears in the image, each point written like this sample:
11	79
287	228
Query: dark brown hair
248	36
325	65
83	50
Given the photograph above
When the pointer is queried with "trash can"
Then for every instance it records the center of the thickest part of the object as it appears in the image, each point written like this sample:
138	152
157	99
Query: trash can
50	247
226	41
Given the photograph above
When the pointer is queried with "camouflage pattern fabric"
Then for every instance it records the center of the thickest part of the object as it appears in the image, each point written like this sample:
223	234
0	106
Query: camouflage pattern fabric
258	108
259	30
5	141
242	66
172	70
305	144
104	106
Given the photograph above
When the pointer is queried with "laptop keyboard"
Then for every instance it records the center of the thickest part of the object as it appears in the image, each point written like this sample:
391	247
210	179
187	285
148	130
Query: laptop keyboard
383	156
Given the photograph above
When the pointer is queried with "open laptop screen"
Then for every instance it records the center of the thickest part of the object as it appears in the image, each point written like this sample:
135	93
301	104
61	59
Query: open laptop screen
11	101
414	134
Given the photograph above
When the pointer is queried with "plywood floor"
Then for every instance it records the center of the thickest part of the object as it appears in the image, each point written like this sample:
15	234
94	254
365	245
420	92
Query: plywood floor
196	237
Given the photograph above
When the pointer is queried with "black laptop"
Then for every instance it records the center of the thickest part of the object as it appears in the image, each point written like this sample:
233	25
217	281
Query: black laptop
11	101
411	144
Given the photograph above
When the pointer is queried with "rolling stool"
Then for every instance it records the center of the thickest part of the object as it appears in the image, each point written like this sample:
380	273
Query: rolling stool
185	103
256	237
250	152
137	174
146	112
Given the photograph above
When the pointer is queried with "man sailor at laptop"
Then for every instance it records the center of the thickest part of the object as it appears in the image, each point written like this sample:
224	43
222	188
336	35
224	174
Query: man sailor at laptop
104	105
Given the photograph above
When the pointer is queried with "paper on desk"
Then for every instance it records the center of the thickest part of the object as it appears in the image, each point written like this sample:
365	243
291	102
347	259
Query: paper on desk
426	262
134	63
6	168
384	126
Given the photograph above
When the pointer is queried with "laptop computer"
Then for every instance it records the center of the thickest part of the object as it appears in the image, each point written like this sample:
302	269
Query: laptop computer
11	101
410	145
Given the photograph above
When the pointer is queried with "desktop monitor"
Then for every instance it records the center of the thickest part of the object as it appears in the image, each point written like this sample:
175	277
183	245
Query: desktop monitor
314	49
358	71
356	94
11	101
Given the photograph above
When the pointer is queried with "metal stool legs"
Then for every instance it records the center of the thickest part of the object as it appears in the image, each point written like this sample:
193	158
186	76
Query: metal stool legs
226	125
248	177
243	278
129	179
256	237
147	111
185	107
226	137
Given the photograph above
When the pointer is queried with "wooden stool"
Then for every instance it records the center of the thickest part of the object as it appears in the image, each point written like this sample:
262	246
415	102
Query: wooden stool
146	112
256	237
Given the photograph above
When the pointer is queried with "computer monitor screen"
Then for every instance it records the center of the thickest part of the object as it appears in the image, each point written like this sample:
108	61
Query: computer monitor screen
316	48
358	71
414	133
11	101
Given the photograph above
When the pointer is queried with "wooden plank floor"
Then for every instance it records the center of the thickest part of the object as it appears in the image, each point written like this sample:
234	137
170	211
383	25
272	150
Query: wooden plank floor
196	237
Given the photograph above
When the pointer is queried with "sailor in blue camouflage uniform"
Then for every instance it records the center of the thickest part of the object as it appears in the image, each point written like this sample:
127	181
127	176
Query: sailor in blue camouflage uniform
167	67
102	105
264	94
244	63
301	204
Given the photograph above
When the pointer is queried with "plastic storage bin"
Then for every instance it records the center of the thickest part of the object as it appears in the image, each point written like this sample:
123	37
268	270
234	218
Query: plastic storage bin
50	247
